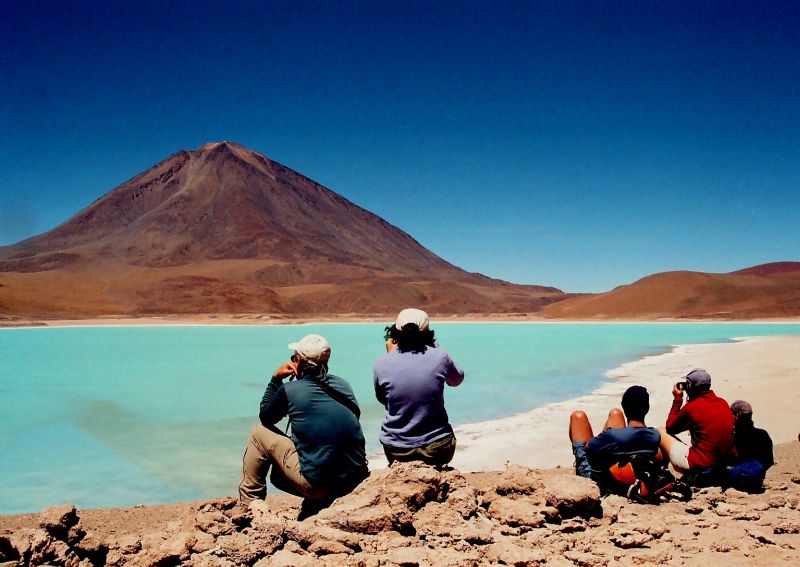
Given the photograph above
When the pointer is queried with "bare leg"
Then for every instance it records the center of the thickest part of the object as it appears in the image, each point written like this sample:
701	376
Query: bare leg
579	427
615	419
666	441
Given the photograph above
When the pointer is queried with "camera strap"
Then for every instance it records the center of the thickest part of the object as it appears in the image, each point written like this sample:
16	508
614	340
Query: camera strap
337	395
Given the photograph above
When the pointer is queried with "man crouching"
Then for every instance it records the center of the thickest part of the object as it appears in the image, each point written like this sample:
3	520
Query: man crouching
325	456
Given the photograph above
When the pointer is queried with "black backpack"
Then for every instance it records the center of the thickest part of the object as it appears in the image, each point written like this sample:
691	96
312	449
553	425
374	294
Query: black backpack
643	479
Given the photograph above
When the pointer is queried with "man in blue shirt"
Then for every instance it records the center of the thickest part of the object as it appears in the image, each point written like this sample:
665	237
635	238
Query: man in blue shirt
595	455
325	456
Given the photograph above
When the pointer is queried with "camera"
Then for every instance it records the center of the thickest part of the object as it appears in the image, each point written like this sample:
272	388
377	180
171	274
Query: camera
681	386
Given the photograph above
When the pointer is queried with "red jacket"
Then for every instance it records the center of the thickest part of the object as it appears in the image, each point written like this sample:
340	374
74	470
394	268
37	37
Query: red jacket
710	423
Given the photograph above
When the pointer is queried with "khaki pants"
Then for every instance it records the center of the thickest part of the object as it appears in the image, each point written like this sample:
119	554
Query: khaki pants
438	453
269	447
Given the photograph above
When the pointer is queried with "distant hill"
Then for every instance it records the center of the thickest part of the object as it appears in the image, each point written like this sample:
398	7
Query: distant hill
765	291
224	229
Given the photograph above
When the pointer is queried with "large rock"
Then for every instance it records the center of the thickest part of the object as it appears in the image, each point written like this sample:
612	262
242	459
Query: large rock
517	479
388	500
58	520
525	511
572	495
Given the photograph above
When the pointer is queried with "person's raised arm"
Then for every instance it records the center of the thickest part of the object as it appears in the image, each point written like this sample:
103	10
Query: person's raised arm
678	419
453	375
274	403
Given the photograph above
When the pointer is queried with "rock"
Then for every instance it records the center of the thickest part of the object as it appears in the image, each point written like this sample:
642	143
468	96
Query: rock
58	520
327	547
247	548
735	495
760	534
168	553
286	558
126	544
651	557
29	543
508	553
612	505
626	539
213	522
8	553
788	526
746	514
388	500
724	509
570	526
518	480
407	556
75	534
656	529
438	519
724	544
694	508
93	547
306	534
522	511
585	559
710	495
777	501
572	495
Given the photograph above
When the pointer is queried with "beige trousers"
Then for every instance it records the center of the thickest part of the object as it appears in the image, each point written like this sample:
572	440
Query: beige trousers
264	448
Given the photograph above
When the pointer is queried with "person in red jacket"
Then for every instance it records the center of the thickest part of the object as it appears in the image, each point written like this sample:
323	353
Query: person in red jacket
708	419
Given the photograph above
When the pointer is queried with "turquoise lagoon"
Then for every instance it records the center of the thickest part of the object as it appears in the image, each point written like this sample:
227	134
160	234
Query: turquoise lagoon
125	415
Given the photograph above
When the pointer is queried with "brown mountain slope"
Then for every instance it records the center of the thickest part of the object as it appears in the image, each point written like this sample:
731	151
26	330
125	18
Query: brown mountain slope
689	295
773	269
224	229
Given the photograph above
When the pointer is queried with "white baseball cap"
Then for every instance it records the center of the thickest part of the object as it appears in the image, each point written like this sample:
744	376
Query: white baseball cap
411	315
313	348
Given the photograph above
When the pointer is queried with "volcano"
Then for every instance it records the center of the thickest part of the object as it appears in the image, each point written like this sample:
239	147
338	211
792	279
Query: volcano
224	229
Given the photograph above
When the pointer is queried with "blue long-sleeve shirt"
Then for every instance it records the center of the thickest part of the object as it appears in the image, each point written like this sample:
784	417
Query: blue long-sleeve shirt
327	435
410	385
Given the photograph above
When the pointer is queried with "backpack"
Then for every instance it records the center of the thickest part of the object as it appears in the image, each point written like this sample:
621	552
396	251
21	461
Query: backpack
643	479
747	477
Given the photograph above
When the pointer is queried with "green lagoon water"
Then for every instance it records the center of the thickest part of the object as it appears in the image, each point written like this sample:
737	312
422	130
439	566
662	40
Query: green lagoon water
121	416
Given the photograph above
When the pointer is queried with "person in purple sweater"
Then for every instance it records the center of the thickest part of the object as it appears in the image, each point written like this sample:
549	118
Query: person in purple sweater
409	383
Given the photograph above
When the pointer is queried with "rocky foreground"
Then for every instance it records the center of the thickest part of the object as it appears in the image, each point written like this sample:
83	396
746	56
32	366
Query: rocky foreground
416	515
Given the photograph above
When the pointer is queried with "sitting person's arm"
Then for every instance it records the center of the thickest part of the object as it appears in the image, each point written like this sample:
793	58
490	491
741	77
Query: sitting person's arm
274	403
678	419
453	374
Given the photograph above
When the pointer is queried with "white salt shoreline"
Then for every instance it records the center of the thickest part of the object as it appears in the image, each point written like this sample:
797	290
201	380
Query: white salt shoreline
762	370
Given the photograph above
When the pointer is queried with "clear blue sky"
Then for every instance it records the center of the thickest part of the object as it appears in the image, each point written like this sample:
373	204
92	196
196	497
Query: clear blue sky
576	144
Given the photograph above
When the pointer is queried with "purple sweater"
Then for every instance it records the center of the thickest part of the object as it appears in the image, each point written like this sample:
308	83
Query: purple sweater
411	387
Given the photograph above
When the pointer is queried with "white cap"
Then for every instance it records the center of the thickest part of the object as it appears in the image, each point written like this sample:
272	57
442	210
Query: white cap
411	315
313	348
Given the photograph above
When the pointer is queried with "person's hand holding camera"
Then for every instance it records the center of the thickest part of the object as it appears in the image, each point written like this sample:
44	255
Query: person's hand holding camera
678	389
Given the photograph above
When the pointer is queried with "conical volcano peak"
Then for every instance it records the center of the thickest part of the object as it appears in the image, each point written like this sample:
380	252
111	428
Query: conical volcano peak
209	146
226	150
224	228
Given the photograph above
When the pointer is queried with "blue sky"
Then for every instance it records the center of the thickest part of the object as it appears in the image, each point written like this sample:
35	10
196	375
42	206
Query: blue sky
576	144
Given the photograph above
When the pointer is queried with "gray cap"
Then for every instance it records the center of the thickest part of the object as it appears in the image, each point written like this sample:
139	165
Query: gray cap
741	406
698	377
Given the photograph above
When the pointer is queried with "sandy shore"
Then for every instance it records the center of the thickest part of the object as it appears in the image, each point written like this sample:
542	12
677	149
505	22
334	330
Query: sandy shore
762	370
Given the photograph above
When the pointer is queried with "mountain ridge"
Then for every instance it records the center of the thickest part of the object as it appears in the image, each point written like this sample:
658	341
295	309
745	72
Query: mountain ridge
763	291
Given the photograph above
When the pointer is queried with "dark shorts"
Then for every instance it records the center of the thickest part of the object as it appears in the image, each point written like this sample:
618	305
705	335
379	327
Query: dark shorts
439	452
582	467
